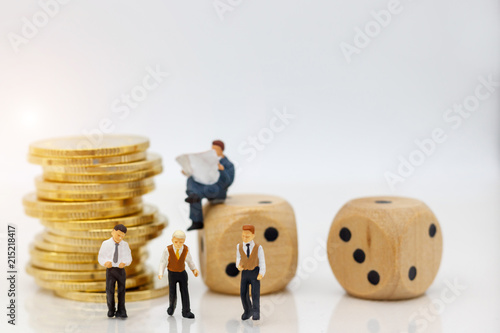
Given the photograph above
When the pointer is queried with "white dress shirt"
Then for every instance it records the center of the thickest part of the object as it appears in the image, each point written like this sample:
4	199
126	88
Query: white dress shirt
262	260
166	255
107	252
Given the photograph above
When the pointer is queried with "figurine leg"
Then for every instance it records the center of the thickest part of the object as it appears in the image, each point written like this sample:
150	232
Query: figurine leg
255	293
196	215
196	212
245	296
121	277
172	293
219	197
183	286
110	292
194	191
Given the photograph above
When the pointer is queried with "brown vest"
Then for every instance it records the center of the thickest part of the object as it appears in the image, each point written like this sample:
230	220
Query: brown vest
251	262
174	264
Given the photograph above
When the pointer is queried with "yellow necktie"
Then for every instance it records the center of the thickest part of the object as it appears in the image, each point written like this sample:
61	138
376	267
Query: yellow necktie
177	253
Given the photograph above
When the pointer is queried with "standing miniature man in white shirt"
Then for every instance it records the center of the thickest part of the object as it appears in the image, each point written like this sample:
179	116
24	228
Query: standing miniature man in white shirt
252	264
115	254
174	258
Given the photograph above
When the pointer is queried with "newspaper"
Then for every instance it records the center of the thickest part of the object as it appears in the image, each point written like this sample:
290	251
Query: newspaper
203	167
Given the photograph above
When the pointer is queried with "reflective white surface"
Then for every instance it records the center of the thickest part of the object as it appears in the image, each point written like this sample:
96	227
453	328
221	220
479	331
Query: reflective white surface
463	295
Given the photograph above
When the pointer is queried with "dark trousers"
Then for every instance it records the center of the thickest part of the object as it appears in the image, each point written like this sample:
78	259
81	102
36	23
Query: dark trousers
214	191
114	275
182	279
249	277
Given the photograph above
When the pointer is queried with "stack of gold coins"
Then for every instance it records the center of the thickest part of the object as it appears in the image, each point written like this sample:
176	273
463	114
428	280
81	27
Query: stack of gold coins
85	190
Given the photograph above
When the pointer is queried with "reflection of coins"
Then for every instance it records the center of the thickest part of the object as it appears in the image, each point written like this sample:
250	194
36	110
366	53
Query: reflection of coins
142	293
87	161
99	275
102	178
92	187
80	146
152	160
38	253
76	267
89	214
147	215
103	234
131	282
83	196
133	241
31	201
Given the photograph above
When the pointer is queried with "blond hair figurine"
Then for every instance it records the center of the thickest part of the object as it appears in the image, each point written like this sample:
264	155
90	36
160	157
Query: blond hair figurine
174	258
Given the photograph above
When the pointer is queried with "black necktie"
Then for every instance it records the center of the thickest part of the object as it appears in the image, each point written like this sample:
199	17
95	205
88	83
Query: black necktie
248	250
115	256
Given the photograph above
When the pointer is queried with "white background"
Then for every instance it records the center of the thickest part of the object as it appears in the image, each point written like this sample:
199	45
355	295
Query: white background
351	121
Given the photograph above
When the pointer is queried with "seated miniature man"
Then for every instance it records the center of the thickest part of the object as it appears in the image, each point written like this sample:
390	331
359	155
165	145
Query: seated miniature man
115	254
174	258
251	262
215	193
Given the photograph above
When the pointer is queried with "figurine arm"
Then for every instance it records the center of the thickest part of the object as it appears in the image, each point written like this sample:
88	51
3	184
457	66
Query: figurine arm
127	257
103	255
190	262
163	263
228	171
262	262
238	257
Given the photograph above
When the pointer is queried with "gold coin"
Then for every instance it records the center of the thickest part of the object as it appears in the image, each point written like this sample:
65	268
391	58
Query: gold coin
102	178
142	293
87	161
96	243
38	253
91	187
152	160
98	275
80	146
42	244
131	282
147	215
77	267
84	215
104	234
82	196
31	201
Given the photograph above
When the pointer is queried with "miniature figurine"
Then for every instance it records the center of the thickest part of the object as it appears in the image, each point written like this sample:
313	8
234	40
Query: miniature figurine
115	254
273	218
211	178
174	258
252	264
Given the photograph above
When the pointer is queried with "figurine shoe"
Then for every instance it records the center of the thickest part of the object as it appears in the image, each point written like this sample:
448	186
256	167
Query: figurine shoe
195	225
170	311
121	314
188	315
192	198
111	313
245	316
217	201
256	316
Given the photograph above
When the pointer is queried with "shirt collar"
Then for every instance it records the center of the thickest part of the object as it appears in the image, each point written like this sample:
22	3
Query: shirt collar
251	243
113	241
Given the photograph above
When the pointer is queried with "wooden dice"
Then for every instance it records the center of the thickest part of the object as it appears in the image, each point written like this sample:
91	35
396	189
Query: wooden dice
385	248
275	231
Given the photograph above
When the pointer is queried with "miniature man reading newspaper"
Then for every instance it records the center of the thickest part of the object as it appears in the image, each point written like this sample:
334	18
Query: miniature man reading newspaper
209	175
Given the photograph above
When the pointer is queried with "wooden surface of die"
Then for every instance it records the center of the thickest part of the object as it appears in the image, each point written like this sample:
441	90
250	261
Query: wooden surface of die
385	247
275	231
